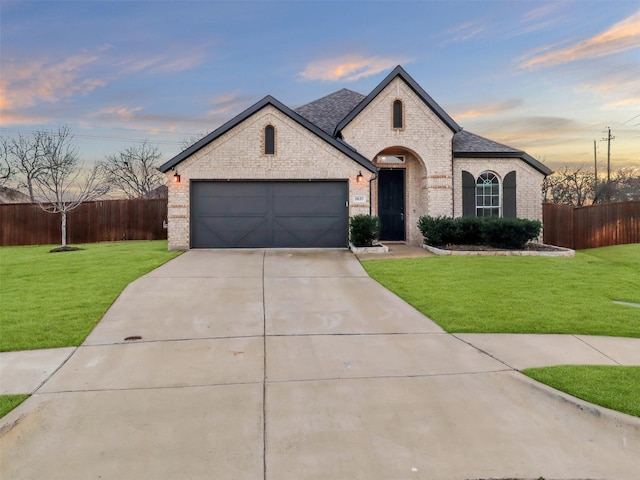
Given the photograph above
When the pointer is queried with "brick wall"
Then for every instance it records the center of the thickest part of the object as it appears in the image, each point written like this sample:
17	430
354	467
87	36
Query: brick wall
239	154
528	182
424	140
433	185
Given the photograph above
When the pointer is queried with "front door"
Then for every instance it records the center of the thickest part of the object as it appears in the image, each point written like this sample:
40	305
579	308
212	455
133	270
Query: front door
391	204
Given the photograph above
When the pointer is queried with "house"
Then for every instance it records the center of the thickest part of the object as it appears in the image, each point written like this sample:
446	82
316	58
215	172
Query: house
280	177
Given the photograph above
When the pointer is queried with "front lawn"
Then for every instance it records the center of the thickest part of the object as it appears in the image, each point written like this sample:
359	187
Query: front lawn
534	295
522	294
55	299
617	388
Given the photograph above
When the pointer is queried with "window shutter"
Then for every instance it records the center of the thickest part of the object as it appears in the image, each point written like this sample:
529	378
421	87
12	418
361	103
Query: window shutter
468	195
509	195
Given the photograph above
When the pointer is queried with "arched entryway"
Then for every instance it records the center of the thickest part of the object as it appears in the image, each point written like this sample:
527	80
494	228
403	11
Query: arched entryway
400	195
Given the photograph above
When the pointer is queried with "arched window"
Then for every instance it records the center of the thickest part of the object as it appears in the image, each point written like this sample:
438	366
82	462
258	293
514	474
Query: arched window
488	199
398	114
269	140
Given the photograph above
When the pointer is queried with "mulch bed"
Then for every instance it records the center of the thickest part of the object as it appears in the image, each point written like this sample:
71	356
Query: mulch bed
65	249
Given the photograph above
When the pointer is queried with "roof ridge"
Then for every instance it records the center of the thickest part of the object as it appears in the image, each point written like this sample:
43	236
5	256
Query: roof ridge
426	98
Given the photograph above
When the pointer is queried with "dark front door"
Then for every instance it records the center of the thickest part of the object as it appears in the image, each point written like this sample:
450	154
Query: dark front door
391	204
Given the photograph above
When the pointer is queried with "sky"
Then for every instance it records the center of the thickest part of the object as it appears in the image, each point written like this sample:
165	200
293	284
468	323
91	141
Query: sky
545	77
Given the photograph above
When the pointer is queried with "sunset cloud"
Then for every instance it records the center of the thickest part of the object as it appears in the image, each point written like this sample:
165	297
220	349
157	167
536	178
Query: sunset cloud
20	118
490	110
169	62
25	84
464	32
625	102
622	36
120	112
348	68
227	103
540	18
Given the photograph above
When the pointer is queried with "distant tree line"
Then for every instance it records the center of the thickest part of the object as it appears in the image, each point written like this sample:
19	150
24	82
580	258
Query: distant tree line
577	186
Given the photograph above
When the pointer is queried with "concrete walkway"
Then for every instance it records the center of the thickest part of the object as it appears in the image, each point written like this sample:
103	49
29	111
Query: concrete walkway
296	365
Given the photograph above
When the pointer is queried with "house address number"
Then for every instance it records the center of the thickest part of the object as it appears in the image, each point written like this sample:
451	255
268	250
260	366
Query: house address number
359	199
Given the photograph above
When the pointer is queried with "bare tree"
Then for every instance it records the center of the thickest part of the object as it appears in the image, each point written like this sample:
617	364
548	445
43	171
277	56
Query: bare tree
25	156
6	172
574	186
627	181
134	171
63	184
569	186
186	142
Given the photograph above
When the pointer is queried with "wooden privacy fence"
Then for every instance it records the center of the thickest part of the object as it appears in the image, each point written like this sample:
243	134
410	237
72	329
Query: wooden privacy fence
593	226
99	221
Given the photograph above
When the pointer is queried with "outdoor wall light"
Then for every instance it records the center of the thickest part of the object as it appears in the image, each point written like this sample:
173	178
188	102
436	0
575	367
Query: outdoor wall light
176	177
359	177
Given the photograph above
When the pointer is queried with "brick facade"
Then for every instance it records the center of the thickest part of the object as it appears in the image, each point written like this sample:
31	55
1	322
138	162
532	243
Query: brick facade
528	182
426	138
239	155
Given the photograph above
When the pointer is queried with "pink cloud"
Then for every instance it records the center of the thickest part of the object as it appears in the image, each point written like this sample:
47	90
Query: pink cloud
25	84
348	68
490	110
622	36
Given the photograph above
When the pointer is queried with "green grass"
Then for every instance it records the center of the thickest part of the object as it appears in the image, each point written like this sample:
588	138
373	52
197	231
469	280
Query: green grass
534	295
612	387
522	294
9	402
55	299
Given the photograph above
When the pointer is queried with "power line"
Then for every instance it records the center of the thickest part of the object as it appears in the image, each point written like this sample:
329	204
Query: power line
632	118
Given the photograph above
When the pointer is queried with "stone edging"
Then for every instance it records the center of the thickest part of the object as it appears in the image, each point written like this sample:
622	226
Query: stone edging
561	252
376	249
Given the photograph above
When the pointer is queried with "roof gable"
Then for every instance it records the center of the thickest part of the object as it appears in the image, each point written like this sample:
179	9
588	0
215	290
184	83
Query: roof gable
424	96
268	100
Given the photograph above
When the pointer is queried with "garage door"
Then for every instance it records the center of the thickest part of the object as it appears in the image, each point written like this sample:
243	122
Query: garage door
269	214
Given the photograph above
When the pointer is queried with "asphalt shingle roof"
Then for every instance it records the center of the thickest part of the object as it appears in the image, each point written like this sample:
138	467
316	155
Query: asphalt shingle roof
328	111
470	145
464	141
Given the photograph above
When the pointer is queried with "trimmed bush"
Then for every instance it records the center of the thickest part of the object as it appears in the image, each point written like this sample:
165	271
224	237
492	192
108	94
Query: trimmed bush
437	230
469	231
364	230
509	233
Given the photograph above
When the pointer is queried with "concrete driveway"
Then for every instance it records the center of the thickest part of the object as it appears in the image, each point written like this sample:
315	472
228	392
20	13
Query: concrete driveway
283	365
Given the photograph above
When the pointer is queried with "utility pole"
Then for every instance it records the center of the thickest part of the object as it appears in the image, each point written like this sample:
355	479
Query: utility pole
595	167
608	139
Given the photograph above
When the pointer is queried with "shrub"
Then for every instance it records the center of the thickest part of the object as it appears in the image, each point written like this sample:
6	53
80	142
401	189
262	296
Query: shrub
364	230
469	231
510	233
437	231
